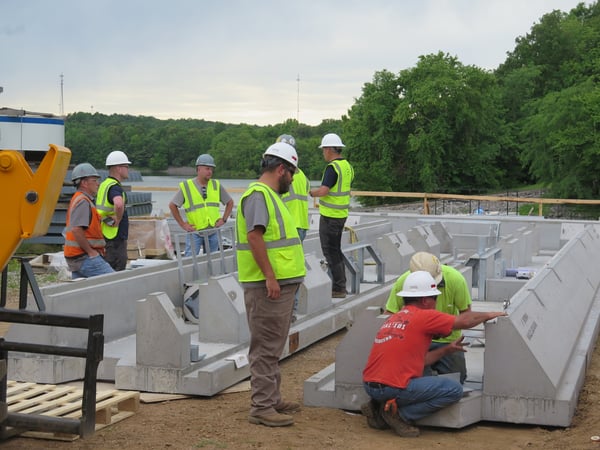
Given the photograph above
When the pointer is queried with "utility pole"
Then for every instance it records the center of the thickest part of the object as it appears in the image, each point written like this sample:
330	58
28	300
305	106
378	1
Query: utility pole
62	100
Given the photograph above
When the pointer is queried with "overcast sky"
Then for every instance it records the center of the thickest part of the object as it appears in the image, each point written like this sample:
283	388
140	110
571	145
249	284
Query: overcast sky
238	61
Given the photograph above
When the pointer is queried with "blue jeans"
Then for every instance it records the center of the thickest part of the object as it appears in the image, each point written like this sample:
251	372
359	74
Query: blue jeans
90	267
422	397
301	233
199	243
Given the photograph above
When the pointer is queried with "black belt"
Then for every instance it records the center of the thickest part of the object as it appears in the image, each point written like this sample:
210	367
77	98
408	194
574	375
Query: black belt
375	385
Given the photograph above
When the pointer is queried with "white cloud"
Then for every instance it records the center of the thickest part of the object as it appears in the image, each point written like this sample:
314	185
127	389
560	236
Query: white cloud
238	60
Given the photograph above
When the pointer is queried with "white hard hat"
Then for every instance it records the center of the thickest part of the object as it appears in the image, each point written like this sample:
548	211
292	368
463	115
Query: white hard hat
83	170
428	262
331	140
205	160
288	139
419	284
116	158
283	151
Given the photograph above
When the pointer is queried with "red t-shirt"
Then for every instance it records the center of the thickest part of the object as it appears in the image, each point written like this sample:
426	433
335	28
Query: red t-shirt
398	353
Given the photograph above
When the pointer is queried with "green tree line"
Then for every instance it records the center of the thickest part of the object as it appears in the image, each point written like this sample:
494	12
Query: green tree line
440	126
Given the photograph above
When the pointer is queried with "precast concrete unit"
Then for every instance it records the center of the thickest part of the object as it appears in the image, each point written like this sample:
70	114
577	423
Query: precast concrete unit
535	359
532	364
149	345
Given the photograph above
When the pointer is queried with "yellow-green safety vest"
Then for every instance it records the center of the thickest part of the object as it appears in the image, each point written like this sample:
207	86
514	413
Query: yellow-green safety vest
200	212
296	199
105	208
284	248
336	203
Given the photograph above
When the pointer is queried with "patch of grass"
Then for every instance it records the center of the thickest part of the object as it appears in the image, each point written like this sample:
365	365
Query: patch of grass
27	249
532	209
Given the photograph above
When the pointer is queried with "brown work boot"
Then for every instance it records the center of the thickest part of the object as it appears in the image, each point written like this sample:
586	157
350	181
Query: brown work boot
399	425
272	420
372	411
287	407
338	294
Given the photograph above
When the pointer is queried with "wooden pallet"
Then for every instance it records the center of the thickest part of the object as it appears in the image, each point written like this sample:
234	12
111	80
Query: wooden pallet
64	401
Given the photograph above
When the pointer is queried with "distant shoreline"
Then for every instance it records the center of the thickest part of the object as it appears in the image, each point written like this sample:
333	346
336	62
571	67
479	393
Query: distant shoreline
181	171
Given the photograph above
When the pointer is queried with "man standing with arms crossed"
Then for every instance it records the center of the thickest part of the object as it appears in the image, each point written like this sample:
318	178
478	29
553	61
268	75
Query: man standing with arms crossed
200	197
334	202
110	204
271	267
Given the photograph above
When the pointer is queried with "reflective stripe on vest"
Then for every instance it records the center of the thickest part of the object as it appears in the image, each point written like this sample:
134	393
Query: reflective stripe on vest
296	200
105	208
93	232
200	212
284	248
336	202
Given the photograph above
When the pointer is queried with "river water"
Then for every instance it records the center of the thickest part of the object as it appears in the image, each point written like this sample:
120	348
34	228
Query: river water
163	188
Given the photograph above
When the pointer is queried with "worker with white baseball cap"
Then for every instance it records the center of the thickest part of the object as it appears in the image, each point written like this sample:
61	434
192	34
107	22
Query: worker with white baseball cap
454	298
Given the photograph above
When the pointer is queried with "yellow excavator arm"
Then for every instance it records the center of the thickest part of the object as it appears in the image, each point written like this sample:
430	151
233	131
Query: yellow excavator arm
29	198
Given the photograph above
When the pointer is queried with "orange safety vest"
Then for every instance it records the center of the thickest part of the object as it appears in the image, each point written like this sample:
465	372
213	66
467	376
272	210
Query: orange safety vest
93	233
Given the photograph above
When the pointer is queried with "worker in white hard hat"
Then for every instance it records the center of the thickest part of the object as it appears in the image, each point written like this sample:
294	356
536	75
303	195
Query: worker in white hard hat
393	376
84	243
334	203
110	203
455	298
200	198
296	200
271	266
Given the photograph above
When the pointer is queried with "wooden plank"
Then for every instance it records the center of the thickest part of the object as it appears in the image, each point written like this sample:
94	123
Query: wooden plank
112	406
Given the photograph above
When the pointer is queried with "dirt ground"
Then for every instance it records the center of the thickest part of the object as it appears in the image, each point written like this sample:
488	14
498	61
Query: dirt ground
220	422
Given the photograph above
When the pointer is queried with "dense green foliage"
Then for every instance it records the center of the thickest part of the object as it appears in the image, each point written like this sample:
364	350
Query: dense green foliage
440	126
155	144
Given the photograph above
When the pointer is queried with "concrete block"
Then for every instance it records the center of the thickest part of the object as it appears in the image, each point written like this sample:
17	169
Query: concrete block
352	352
395	251
569	230
502	289
171	347
315	291
418	241
221	312
440	231
459	415
319	389
431	240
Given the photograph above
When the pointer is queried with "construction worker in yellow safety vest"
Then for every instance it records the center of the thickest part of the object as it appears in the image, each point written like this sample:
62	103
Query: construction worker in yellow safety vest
200	198
111	205
296	199
334	203
271	267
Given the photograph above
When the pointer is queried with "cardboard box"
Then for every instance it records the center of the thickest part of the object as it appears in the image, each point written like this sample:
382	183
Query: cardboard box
151	234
